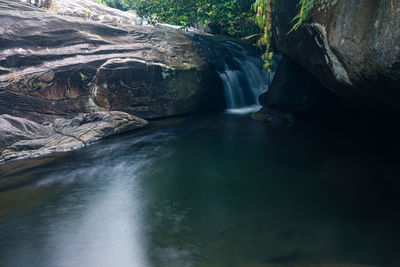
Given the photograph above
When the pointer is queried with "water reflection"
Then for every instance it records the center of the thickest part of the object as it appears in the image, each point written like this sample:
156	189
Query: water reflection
93	217
106	231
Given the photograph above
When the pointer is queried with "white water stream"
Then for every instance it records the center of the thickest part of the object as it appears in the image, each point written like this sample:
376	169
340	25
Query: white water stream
244	80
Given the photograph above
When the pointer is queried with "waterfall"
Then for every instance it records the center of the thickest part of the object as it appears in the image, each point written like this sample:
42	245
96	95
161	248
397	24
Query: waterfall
241	70
244	79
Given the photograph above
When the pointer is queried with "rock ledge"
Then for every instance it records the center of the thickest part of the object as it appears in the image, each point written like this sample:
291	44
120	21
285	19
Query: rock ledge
21	138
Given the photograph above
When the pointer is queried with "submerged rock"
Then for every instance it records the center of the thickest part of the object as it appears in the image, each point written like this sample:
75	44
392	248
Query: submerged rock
21	138
273	116
352	47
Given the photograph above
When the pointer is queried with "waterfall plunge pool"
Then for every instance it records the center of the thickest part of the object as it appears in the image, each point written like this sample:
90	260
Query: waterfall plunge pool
208	191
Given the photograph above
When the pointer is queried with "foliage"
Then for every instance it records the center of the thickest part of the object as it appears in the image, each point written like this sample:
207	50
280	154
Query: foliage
101	2
37	85
83	77
263	10
119	4
87	12
305	7
232	17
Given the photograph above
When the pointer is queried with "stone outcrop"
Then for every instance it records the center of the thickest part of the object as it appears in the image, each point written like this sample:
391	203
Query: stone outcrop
14	129
352	47
58	66
22	138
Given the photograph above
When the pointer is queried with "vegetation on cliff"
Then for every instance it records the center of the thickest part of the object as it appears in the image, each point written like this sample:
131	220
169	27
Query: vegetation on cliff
263	10
231	17
119	4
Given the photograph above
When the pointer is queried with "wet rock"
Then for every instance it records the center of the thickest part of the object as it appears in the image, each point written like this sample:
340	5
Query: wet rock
152	89
28	145
14	129
37	109
73	65
21	138
89	128
350	46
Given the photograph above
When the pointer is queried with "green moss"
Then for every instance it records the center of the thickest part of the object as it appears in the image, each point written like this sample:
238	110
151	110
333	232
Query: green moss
83	77
37	85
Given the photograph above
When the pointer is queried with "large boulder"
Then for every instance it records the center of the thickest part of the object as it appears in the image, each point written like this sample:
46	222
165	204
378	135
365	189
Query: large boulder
64	65
154	89
352	47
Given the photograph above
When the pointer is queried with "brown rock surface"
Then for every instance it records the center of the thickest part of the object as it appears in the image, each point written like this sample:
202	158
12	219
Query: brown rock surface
63	62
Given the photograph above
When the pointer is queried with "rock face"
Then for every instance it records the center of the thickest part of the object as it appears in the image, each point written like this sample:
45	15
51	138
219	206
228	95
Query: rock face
22	138
14	129
295	90
352	47
58	66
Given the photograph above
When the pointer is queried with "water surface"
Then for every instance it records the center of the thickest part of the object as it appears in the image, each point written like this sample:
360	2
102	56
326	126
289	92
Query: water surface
213	191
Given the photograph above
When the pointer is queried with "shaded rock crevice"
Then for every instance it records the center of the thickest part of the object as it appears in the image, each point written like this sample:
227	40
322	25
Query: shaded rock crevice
295	90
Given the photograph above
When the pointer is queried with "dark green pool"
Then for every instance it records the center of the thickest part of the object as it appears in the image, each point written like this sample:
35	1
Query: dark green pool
210	191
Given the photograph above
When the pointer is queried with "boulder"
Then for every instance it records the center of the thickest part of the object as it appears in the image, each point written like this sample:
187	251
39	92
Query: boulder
153	89
21	138
352	47
64	65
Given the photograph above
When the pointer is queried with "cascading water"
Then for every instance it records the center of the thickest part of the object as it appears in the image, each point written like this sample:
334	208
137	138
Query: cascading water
244	80
243	76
